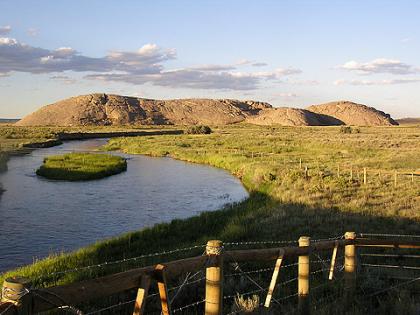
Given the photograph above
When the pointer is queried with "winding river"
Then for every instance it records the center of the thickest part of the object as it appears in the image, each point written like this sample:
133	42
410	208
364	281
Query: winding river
39	217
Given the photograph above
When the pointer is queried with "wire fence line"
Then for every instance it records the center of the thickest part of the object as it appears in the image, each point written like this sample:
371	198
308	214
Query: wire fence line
388	235
391	266
263	274
169	252
120	261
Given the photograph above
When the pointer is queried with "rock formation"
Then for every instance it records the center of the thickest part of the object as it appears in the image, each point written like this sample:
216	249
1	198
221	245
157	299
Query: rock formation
350	113
103	110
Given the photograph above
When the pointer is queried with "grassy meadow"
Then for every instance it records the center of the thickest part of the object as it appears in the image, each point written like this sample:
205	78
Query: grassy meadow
301	180
81	166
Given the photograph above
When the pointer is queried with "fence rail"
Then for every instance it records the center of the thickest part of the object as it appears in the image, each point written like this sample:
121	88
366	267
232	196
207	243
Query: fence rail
19	298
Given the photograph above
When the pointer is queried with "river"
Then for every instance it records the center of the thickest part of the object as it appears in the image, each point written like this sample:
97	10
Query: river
39	217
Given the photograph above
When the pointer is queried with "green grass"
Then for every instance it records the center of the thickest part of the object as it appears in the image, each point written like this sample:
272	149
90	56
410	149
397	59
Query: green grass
81	166
283	204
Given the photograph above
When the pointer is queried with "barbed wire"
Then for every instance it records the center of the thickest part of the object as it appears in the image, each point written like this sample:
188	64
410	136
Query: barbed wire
389	235
111	307
390	255
259	270
227	297
184	283
188	306
391	266
120	261
259	243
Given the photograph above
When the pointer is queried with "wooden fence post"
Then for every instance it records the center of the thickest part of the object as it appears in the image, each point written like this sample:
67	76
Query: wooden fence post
338	170
300	163
306	172
364	176
214	278
274	278
15	290
350	264
333	258
351	174
303	278
160	276
142	294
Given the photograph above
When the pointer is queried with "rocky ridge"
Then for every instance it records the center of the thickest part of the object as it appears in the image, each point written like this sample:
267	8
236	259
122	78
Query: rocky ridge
108	109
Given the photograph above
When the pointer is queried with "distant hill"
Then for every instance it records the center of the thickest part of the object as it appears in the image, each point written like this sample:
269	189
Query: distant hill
104	109
8	121
350	113
409	121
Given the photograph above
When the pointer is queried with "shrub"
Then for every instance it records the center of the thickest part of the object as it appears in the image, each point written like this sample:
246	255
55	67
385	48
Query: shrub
348	129
345	129
198	130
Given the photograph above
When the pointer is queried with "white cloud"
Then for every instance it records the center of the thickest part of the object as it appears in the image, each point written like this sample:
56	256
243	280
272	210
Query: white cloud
4	30
380	65
376	82
6	41
16	56
144	65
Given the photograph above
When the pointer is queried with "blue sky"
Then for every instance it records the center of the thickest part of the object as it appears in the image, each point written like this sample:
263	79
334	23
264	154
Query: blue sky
289	53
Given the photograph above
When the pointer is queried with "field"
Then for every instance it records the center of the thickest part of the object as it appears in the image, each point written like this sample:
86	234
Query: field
302	181
81	166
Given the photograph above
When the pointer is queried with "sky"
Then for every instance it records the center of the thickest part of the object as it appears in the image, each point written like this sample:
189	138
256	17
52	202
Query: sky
287	53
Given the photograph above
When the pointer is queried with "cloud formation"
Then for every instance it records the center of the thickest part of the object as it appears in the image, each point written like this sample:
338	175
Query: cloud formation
380	65
4	30
377	82
136	67
16	56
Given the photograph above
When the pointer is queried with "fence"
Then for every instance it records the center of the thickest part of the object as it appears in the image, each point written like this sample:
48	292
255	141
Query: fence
323	165
19	298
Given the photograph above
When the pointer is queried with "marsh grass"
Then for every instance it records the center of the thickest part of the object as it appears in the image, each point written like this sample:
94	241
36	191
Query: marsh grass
81	166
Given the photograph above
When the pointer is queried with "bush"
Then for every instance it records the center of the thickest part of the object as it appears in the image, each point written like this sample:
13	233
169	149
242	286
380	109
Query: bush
348	129
198	130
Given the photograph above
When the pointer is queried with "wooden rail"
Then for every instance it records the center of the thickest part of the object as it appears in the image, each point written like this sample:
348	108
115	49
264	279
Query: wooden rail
73	294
